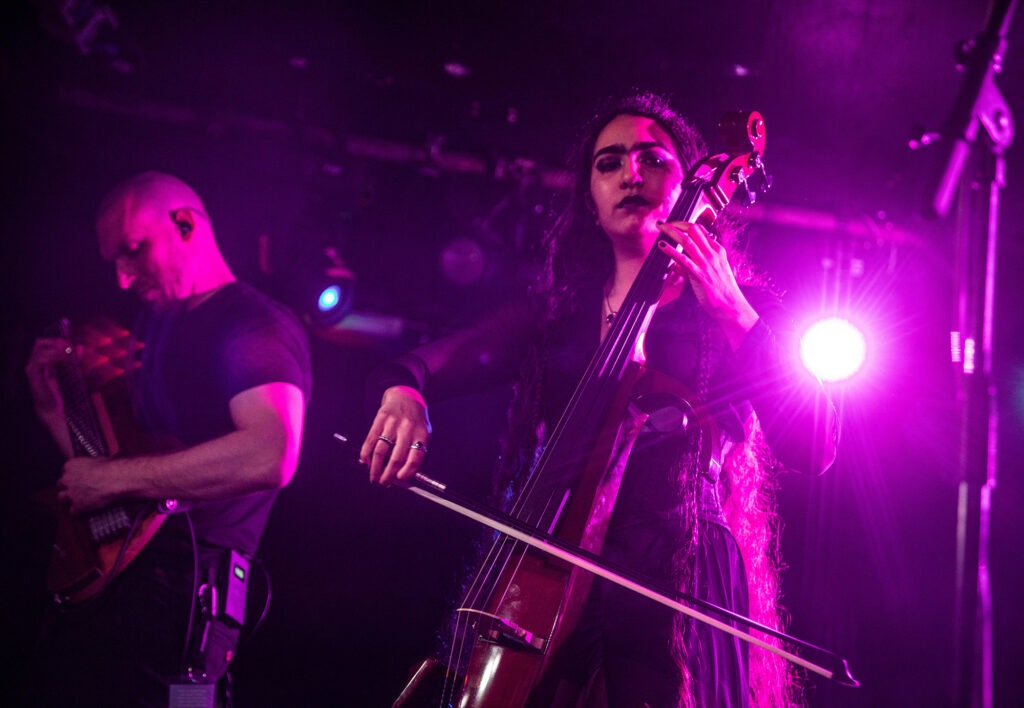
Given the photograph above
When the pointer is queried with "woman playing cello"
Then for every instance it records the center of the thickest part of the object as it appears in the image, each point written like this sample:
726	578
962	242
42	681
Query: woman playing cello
692	512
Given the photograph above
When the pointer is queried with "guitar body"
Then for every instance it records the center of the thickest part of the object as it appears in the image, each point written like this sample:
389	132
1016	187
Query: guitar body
82	561
90	549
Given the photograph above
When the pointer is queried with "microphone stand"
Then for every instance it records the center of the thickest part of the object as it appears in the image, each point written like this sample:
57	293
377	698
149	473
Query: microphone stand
975	171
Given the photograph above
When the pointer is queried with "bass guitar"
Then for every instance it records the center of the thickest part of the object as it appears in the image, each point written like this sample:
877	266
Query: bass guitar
90	549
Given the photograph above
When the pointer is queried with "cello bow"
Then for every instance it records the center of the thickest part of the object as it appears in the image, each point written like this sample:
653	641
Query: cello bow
832	666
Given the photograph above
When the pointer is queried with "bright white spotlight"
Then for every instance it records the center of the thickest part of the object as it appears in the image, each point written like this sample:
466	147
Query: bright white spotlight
833	349
329	298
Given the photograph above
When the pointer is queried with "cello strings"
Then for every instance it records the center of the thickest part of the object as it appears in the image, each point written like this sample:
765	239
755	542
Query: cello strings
480	594
614	353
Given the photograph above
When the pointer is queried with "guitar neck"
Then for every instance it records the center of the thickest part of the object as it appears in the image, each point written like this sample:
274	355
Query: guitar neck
83	423
87	437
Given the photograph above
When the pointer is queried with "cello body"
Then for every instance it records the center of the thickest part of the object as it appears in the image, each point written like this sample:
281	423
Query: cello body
540	598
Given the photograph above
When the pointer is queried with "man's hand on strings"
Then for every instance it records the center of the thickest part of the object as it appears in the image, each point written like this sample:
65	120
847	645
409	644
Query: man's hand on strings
86	483
47	353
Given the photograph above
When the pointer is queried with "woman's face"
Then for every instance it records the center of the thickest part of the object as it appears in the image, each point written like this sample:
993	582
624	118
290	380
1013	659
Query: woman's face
635	180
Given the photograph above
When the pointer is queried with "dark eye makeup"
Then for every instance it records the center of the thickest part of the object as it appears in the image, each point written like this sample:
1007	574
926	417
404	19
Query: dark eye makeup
648	158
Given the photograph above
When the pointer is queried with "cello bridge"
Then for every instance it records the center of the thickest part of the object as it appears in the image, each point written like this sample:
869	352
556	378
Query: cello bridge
504	632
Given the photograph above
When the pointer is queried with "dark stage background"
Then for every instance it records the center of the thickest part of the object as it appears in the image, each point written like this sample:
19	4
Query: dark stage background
306	125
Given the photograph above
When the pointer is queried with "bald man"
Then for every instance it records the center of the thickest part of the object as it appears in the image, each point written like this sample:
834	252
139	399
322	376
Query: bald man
225	373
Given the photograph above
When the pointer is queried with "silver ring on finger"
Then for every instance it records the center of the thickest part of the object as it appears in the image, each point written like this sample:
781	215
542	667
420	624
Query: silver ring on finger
385	439
421	446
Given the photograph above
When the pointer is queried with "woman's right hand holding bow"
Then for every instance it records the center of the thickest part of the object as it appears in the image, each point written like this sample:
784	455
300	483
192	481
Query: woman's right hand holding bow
396	445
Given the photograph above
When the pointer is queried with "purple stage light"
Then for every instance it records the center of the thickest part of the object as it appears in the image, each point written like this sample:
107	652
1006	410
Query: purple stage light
833	349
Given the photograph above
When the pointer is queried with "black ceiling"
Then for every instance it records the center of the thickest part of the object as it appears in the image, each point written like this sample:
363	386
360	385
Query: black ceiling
843	85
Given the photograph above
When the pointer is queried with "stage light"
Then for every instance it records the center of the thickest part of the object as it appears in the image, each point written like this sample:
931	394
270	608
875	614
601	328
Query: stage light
463	261
329	298
322	288
833	349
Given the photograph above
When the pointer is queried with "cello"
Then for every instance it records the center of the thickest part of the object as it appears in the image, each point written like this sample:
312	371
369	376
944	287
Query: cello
524	602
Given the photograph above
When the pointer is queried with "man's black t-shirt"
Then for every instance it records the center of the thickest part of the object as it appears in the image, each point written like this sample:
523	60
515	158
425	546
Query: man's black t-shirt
194	361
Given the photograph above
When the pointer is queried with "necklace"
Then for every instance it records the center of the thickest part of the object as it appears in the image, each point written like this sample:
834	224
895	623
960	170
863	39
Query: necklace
610	317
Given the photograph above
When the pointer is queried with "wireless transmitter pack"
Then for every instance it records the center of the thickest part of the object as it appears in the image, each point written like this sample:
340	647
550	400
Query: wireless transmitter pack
234	588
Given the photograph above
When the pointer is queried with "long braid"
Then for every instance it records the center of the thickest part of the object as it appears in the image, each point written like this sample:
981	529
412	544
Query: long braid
751	512
687	471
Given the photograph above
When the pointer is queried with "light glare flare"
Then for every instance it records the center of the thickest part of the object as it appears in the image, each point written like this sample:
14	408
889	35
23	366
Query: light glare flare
833	349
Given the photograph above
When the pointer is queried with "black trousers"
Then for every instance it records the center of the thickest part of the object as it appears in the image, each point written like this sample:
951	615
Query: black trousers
127	646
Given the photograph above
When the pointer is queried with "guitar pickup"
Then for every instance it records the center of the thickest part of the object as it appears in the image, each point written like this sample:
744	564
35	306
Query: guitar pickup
109	523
